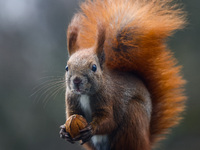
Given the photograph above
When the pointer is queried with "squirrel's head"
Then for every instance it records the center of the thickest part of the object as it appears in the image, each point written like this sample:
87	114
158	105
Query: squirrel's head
84	72
85	66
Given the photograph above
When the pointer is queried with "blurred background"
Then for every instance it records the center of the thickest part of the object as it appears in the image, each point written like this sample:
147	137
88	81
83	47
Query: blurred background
33	56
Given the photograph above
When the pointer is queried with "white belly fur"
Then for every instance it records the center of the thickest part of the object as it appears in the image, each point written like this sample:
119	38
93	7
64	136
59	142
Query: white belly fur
85	106
96	139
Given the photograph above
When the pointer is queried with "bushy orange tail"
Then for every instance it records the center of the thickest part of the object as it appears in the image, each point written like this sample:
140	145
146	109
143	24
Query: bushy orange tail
135	41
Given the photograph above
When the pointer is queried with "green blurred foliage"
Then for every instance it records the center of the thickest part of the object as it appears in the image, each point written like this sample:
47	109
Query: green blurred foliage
33	56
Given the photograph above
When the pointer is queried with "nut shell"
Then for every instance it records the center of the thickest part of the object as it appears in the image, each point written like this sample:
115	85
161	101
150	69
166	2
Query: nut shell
74	124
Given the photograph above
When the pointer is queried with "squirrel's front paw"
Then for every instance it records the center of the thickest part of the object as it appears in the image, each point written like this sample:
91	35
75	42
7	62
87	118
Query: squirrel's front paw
65	135
85	134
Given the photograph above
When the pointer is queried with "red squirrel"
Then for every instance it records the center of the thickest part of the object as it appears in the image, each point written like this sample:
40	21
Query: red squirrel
120	74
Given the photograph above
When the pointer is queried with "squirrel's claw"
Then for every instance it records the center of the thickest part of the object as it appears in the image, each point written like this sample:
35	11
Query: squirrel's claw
85	135
65	135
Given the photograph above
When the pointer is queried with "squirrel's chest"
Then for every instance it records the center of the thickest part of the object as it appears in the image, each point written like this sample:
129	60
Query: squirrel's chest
99	141
86	107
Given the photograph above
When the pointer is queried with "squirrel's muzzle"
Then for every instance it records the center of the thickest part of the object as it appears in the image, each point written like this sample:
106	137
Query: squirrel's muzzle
77	81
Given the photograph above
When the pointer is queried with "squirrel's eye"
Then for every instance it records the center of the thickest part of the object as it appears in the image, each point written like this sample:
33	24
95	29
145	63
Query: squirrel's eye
66	68
94	68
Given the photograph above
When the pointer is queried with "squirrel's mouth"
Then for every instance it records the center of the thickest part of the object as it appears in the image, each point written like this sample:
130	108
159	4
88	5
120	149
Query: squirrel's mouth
80	91
77	90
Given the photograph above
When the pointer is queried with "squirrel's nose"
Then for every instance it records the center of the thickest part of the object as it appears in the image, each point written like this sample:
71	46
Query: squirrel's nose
77	81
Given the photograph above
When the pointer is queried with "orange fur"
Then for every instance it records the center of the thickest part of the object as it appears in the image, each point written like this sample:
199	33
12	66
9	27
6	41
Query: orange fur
135	41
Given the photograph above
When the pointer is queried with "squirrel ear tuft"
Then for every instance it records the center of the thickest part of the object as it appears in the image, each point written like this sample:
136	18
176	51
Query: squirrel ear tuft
101	35
72	34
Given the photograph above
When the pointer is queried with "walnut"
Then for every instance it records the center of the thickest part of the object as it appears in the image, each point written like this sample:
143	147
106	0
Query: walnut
74	124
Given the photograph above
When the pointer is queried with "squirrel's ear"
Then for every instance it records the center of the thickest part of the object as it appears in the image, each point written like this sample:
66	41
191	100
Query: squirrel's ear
72	34
101	35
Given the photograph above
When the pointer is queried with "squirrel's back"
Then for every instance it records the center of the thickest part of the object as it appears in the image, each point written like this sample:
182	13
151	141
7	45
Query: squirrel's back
136	32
